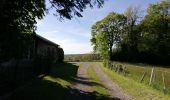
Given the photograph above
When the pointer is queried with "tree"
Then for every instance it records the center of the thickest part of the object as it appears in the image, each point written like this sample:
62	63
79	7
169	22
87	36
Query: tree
69	8
156	31
18	17
106	33
130	39
17	21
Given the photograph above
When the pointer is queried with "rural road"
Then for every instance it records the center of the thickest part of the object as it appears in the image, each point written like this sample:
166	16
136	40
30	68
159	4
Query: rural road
82	80
83	83
113	89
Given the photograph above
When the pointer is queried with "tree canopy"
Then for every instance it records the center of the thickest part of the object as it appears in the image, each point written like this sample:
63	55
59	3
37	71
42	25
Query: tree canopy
137	40
107	32
18	20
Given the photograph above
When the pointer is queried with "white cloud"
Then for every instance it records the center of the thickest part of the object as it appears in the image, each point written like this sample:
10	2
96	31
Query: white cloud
70	46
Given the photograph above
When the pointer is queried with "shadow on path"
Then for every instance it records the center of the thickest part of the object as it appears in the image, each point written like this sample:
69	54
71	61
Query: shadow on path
42	89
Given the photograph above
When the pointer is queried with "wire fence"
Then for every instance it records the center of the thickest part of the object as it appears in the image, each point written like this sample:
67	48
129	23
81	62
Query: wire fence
156	77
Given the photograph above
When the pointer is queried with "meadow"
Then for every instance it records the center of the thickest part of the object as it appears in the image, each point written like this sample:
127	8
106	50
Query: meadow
137	71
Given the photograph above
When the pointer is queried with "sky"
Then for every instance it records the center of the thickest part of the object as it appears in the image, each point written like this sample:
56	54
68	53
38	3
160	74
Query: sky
74	35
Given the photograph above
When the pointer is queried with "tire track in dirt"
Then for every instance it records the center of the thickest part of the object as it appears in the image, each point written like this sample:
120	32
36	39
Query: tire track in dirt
81	86
82	82
113	89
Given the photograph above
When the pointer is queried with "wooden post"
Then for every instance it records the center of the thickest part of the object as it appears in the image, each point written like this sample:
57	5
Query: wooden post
163	79
116	68
154	76
124	71
151	77
143	76
111	66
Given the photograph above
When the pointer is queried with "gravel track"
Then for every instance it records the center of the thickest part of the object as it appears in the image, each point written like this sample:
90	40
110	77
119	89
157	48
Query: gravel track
113	89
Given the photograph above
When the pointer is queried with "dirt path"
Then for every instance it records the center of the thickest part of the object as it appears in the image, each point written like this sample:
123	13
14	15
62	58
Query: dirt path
81	85
113	89
82	82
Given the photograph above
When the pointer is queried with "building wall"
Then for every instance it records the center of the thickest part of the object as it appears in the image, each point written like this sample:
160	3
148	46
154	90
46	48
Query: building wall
47	50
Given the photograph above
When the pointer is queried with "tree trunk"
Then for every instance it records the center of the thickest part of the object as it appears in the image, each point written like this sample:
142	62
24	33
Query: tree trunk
110	53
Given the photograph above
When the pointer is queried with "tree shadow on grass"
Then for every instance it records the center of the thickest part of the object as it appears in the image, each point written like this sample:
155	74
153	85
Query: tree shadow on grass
42	89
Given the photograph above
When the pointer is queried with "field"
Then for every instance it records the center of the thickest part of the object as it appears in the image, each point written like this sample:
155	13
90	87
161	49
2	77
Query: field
57	85
81	57
137	90
136	71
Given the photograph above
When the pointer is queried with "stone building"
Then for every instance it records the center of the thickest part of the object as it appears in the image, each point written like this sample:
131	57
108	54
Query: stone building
46	48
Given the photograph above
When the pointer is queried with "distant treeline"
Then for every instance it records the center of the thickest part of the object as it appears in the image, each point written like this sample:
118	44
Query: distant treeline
82	57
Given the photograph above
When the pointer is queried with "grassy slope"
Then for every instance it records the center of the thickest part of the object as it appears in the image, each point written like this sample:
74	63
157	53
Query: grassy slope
54	86
134	88
136	71
97	88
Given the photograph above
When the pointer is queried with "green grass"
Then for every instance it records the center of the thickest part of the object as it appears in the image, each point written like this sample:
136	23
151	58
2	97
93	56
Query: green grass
54	86
134	88
95	79
135	71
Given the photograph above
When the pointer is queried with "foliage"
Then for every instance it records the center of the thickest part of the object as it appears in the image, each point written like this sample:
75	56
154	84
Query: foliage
107	32
17	19
155	35
139	40
19	16
130	39
68	8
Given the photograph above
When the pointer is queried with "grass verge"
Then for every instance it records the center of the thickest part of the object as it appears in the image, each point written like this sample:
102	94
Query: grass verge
135	72
98	87
134	88
55	86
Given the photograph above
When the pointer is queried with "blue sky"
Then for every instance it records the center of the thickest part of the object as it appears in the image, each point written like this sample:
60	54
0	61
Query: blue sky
74	35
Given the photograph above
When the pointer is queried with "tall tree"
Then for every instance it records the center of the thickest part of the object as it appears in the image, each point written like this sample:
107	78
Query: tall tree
130	42
156	30
107	32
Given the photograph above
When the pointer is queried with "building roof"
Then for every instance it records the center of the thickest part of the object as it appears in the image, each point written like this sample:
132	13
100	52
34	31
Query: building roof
45	40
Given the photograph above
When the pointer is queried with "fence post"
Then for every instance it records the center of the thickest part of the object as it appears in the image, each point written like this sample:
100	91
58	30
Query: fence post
154	76
163	79
151	77
124	70
116	68
143	76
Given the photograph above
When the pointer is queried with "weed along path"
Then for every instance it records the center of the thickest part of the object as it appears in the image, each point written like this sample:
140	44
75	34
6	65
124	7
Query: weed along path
84	81
84	84
113	89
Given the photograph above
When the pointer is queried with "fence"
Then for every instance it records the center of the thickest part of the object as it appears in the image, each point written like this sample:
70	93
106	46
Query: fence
157	77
